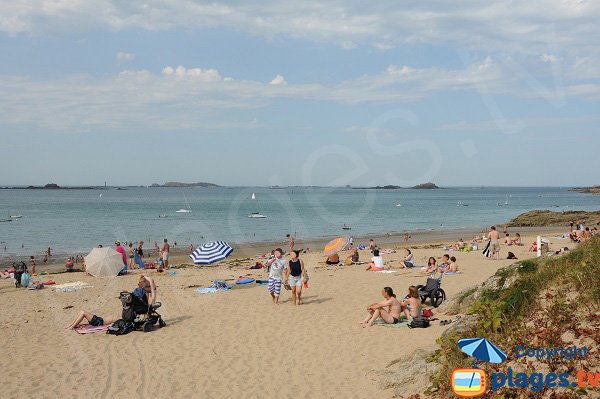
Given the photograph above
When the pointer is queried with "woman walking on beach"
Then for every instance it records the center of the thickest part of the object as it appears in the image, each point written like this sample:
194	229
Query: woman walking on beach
276	267
295	275
131	254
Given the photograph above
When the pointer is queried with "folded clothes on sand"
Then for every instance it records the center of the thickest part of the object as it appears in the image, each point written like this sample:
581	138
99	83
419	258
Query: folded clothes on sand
217	285
72	286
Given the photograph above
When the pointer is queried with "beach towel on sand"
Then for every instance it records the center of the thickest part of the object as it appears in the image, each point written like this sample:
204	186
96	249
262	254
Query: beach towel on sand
88	329
73	286
402	324
217	285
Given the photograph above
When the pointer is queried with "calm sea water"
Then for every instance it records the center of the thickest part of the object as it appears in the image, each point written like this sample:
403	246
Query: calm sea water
77	220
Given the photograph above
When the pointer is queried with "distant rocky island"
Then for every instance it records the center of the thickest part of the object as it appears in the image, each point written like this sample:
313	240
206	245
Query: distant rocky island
54	186
587	190
179	184
550	219
424	186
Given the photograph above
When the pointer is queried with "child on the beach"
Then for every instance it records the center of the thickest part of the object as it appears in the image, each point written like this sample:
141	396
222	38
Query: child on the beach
432	266
452	267
276	267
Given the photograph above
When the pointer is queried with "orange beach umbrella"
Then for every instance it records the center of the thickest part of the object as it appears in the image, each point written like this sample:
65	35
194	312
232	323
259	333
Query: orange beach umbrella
335	246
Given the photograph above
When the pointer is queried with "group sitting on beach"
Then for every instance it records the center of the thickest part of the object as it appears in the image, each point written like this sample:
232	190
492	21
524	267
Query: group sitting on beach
391	310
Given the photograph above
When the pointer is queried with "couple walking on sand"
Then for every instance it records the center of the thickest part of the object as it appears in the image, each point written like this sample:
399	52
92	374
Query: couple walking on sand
291	272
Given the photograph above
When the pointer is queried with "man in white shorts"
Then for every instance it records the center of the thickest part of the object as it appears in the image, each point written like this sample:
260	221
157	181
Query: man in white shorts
165	255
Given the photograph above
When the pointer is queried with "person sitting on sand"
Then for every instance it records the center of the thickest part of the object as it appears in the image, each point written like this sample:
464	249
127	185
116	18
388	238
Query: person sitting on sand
333	259
443	267
146	287
411	306
69	265
92	319
388	310
376	263
432	266
517	240
295	276
372	245
452	267
354	257
276	267
460	245
408	261
508	241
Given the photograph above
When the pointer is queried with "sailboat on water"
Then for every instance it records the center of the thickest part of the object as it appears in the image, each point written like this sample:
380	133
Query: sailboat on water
257	214
187	209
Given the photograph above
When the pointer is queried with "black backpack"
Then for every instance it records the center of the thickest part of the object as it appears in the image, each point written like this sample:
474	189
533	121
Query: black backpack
120	327
419	322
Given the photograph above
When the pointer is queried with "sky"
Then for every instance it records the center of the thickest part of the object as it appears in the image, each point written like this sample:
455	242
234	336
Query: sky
300	93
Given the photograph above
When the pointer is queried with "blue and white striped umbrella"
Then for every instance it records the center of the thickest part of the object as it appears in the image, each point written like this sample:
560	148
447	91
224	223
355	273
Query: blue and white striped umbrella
482	349
211	252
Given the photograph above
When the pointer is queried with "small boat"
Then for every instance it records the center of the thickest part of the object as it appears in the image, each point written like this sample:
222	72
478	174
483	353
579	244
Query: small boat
16	216
185	210
460	203
5	220
163	216
257	214
398	204
346	227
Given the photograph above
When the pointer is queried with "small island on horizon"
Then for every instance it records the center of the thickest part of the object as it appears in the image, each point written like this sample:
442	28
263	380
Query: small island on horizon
424	186
179	184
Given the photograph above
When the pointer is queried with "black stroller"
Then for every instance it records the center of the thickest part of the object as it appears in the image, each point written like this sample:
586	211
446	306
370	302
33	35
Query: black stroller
432	290
139	314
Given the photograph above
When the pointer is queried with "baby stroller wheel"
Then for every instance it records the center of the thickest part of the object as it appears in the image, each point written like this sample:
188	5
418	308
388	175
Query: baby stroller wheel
437	297
161	323
147	326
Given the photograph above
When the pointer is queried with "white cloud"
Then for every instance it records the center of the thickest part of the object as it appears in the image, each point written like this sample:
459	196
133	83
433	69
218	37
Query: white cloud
549	58
123	57
141	98
278	80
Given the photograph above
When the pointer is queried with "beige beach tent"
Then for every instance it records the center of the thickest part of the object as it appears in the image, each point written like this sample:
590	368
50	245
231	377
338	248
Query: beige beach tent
103	262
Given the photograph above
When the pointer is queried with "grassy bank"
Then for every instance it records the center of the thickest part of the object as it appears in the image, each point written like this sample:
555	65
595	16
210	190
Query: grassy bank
543	303
549	218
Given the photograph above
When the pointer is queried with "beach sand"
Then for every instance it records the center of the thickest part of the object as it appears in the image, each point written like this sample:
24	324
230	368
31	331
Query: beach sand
226	344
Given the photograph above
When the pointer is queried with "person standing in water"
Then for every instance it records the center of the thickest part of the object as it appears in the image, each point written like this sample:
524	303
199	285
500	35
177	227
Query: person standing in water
295	275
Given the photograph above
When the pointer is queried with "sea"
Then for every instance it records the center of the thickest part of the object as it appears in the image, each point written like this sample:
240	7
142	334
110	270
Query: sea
74	221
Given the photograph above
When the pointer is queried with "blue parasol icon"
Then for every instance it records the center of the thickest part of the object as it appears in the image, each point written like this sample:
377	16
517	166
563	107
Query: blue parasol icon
482	349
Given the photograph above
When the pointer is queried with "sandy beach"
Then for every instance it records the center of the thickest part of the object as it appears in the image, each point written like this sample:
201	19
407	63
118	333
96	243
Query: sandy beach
227	344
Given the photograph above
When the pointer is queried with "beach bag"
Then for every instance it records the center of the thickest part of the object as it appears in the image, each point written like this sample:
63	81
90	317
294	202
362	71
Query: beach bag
419	322
120	327
427	313
25	277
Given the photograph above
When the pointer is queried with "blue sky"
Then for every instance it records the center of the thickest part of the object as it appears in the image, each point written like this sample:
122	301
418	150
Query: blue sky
276	92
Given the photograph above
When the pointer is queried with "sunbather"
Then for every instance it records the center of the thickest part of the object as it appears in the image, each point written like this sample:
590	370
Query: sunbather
388	310
92	319
332	259
354	257
408	261
452	266
411	306
376	263
432	266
